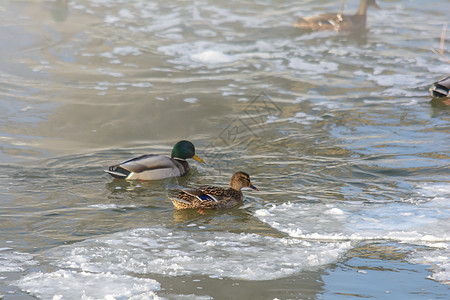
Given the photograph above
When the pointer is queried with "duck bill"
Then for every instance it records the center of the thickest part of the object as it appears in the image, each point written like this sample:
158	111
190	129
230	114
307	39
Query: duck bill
253	187
198	159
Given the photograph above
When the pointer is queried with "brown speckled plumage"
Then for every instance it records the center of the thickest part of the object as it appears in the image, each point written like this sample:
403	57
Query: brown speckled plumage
338	21
212	196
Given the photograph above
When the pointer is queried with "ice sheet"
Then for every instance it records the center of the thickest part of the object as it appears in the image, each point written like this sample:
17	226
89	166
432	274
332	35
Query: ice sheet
69	284
175	252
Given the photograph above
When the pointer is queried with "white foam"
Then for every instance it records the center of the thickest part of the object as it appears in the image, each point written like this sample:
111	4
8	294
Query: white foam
302	118
126	14
142	84
319	67
108	71
200	53
203	53
435	191
111	206
396	80
127	50
395	92
213	57
109	19
190	100
67	284
334	211
189	297
180	252
205	33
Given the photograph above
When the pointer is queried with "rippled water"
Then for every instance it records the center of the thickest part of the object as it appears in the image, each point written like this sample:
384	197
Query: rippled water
337	132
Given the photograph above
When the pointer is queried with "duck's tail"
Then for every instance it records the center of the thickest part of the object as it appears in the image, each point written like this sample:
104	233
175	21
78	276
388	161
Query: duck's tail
179	203
441	88
118	172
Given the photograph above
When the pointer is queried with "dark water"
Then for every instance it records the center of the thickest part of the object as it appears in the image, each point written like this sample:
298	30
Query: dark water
337	131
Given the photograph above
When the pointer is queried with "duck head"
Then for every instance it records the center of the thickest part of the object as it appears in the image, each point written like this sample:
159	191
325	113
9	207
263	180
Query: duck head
185	150
240	180
365	4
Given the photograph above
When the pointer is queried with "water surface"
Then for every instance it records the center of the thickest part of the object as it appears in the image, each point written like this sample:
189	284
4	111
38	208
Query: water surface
337	132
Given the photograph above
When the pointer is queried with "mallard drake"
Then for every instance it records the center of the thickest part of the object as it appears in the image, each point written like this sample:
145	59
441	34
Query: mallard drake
212	196
441	90
156	167
338	21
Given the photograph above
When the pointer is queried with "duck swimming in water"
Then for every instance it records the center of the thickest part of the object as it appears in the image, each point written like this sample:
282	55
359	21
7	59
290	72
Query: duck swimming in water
338	21
441	90
156	167
212	196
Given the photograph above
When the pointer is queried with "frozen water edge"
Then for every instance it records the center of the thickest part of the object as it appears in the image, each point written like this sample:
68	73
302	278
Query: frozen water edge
66	284
13	261
402	223
439	261
424	224
407	221
180	252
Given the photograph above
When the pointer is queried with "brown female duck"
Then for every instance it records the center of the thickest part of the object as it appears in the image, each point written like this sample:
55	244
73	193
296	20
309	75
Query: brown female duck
338	21
212	196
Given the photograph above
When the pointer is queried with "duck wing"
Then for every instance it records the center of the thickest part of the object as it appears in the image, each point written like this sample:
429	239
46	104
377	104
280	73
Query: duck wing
147	162
326	21
149	167
193	198
207	197
205	193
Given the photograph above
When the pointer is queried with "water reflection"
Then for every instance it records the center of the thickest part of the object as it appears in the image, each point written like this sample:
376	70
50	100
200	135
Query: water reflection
59	10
